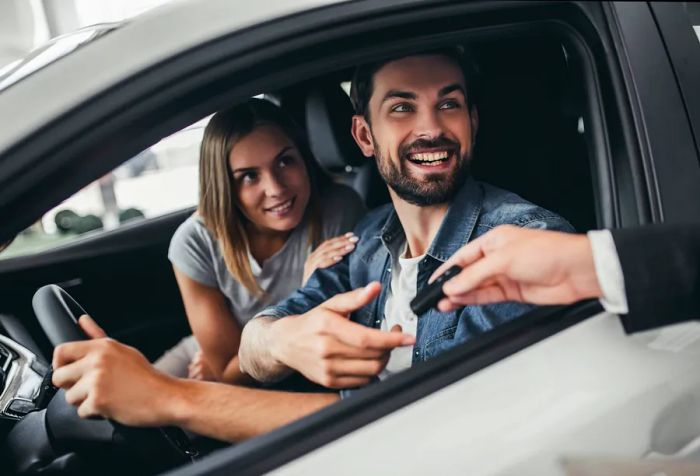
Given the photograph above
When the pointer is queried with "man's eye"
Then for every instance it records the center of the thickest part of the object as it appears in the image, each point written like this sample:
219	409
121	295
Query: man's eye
402	107
451	104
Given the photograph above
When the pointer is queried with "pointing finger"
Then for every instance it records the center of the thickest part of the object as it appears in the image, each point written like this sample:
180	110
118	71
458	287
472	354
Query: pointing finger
346	303
364	337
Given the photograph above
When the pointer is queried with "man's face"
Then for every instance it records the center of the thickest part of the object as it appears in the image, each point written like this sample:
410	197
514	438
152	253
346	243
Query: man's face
420	129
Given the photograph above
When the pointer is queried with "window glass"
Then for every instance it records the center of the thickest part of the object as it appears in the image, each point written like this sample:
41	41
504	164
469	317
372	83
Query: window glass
159	180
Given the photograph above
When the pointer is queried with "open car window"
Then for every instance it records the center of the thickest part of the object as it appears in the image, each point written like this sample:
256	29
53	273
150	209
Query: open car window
161	179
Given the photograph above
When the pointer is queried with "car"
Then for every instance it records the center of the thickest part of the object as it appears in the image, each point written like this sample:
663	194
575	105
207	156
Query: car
588	109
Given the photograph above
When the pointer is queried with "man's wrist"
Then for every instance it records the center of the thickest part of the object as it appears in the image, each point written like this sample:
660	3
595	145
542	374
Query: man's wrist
583	272
262	350
608	271
276	340
173	402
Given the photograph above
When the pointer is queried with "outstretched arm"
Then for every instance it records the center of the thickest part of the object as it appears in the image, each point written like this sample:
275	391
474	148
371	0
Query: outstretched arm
216	329
511	263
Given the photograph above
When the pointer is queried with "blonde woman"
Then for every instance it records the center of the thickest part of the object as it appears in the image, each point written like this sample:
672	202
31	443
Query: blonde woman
267	218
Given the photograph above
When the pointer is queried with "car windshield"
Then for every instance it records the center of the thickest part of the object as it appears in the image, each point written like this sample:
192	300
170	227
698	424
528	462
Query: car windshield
51	51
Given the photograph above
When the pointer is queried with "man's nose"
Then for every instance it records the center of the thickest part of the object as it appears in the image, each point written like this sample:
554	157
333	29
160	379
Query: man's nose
428	125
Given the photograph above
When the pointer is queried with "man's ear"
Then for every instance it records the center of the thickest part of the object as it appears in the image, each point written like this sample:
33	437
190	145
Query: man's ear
363	135
474	116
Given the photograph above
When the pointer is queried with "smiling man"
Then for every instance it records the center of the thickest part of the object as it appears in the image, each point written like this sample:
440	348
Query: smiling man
417	117
351	323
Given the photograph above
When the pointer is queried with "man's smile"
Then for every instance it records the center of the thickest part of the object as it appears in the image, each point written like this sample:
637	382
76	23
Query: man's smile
429	158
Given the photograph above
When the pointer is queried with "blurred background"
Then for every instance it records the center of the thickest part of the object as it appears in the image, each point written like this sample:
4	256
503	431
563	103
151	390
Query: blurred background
159	180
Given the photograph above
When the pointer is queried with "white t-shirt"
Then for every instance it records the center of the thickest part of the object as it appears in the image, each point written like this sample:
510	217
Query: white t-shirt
397	310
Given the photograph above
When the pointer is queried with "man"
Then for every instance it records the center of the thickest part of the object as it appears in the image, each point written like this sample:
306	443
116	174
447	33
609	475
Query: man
649	275
417	117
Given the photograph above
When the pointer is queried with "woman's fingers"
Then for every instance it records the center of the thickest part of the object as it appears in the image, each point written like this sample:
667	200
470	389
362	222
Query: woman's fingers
333	250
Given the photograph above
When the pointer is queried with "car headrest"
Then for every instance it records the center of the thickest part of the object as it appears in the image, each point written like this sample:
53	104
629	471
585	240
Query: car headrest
328	121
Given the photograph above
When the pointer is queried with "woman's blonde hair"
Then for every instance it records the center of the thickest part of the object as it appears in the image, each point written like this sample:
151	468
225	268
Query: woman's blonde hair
217	202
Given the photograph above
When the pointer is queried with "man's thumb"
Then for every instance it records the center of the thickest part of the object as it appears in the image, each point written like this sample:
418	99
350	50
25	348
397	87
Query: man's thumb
90	327
353	300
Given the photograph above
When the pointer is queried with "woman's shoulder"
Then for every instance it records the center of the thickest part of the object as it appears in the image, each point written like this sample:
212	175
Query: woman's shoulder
191	232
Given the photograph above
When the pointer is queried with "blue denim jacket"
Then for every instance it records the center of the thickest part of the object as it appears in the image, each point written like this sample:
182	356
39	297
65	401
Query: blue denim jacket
475	209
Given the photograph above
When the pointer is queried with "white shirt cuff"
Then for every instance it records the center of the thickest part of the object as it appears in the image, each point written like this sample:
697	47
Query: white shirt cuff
609	271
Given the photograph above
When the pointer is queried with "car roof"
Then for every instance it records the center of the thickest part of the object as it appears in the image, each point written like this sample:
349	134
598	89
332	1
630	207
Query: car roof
135	46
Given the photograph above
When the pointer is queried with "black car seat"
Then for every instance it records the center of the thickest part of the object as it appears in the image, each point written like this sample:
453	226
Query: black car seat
531	140
328	118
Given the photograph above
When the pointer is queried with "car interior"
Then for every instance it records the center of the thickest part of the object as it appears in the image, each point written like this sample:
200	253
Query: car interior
533	140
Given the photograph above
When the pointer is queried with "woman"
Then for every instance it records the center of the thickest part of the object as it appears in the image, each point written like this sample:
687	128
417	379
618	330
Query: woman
264	205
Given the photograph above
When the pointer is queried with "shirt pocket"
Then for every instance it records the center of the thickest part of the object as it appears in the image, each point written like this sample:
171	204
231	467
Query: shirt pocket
439	342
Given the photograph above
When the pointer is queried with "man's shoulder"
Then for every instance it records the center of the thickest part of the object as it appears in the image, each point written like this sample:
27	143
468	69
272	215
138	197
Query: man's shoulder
501	207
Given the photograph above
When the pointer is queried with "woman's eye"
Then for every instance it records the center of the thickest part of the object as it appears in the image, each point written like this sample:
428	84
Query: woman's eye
285	161
248	177
402	107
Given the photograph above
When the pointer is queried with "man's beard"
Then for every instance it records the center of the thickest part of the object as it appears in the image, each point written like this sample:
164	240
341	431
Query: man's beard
435	188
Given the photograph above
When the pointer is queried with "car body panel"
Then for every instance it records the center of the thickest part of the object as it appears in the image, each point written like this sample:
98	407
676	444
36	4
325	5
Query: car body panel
124	52
600	393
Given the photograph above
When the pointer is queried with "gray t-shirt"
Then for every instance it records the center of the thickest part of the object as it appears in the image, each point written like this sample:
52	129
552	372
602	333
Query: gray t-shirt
195	252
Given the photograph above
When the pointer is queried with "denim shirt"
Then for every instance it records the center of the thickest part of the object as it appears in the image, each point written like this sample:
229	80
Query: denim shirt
477	208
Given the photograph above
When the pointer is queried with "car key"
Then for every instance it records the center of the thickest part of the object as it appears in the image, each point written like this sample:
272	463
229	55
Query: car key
431	294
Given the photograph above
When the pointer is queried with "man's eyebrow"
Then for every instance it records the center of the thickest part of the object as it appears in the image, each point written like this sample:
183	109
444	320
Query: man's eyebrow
395	93
252	169
451	88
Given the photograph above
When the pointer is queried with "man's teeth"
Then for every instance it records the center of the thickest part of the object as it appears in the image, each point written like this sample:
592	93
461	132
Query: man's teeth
430	156
282	207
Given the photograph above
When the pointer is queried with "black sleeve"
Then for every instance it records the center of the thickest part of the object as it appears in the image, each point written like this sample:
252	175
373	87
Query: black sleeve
661	267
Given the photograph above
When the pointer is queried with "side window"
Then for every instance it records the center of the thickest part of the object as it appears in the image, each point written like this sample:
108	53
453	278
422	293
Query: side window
159	180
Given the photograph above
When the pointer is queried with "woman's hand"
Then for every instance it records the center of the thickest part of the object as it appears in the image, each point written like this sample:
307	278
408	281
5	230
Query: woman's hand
198	368
328	253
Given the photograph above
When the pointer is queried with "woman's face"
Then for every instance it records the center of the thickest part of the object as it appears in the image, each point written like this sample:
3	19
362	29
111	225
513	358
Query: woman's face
270	180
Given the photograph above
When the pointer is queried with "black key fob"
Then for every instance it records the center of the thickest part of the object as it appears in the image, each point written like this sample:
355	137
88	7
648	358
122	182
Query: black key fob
431	294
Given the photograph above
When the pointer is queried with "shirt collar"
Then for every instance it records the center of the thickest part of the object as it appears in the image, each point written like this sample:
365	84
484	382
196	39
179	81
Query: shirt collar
456	227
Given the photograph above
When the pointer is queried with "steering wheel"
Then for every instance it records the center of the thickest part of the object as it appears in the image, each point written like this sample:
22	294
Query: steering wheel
58	315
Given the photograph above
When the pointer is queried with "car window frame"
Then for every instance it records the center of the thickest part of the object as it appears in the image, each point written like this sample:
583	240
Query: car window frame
683	47
663	133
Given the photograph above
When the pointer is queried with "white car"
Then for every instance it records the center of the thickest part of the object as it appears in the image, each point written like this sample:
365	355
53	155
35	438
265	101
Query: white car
588	109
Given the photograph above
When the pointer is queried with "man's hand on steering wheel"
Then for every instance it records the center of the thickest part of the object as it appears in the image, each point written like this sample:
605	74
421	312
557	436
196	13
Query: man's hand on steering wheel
103	377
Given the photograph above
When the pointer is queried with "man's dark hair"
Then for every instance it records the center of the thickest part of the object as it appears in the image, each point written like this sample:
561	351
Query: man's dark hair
363	78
